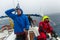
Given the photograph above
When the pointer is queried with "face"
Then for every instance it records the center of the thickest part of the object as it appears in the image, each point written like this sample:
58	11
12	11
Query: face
18	12
46	20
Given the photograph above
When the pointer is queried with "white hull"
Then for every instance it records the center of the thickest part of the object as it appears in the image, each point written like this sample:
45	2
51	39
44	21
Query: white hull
12	36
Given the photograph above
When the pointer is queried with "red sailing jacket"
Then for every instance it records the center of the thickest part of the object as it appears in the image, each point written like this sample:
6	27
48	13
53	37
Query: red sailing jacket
45	27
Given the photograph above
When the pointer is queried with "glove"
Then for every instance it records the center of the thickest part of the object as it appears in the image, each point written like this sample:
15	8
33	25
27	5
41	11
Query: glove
17	7
54	34
41	30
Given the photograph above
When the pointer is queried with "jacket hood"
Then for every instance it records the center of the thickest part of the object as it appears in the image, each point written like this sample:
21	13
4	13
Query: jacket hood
44	17
20	10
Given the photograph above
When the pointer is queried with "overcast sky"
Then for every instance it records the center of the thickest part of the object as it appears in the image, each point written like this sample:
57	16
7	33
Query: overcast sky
31	6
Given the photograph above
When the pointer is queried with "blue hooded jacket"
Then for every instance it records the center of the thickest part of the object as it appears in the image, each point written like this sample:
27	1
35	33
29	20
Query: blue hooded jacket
20	22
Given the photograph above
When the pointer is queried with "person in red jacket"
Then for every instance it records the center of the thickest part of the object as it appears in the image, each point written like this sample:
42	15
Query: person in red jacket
45	27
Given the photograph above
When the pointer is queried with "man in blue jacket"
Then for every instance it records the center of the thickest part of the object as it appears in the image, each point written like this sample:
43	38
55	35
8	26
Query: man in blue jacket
21	23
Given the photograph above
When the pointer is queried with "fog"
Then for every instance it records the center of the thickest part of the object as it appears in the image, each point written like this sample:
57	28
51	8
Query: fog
31	6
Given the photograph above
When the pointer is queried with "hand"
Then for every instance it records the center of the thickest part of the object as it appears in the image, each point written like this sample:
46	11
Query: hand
26	31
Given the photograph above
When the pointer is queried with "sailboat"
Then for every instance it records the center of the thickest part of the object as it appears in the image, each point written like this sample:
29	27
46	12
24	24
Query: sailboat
12	36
